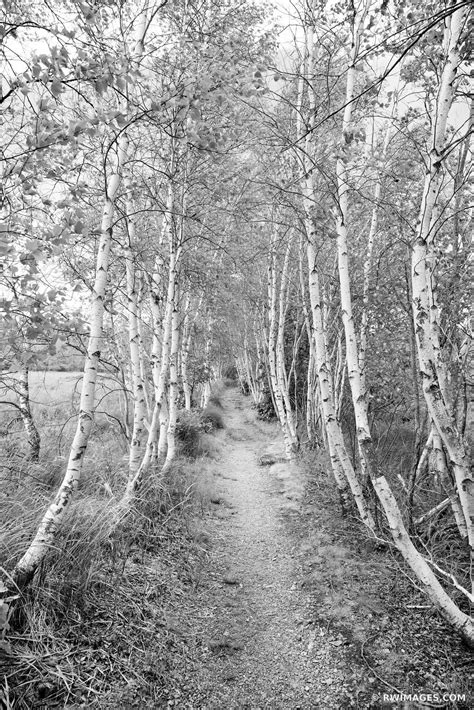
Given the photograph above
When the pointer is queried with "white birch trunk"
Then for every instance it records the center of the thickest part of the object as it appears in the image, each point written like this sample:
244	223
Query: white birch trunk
184	354
434	511
206	385
432	367
158	323
275	358
440	472
32	433
280	350
359	393
153	442
419	566
173	388
460	621
312	393
138	386
143	363
340	460
57	510
342	468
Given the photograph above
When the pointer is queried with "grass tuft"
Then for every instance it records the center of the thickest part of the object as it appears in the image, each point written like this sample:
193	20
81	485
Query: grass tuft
106	587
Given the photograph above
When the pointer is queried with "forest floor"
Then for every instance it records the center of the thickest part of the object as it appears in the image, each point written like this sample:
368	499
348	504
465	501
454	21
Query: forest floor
292	606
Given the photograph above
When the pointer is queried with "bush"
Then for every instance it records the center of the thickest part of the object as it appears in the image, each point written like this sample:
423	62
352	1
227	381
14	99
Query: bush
215	400
230	373
245	388
212	418
265	409
188	431
228	382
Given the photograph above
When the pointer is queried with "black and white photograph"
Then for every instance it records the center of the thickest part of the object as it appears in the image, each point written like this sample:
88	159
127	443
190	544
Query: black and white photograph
236	355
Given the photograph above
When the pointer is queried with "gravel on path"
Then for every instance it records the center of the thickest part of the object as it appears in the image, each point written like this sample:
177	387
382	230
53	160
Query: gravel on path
260	646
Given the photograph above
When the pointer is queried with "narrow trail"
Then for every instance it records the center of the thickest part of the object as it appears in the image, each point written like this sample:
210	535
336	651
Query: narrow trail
260	647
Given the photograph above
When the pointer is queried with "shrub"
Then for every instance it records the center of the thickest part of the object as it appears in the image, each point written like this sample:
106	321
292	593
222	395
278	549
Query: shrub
245	388
212	418
215	400
188	431
265	408
230	373
228	382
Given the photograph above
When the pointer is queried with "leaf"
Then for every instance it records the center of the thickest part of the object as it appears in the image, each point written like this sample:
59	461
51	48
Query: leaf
56	88
121	120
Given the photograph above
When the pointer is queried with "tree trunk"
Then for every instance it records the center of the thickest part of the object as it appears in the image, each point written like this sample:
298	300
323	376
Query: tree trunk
419	566
425	316
459	621
57	510
206	385
440	471
340	461
342	468
153	443
138	386
275	357
173	387
184	357
32	434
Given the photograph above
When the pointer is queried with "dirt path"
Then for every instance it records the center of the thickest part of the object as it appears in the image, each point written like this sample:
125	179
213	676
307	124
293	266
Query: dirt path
260	647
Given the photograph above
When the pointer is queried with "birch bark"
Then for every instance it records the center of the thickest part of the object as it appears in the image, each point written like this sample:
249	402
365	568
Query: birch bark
432	367
136	367
359	393
460	621
173	386
275	355
152	446
423	325
32	433
342	468
57	510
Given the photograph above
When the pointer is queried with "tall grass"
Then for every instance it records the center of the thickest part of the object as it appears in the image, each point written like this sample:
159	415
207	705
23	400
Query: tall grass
102	576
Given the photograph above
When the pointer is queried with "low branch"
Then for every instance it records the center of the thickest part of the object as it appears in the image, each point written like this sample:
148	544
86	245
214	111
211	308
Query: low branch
430	513
452	579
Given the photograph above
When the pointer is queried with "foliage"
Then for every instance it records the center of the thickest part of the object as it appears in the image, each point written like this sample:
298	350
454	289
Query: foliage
211	152
212	418
215	401
189	432
99	564
230	372
228	382
265	409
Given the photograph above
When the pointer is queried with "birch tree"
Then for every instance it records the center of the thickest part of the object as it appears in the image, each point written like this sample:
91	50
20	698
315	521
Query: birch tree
457	618
57	510
425	311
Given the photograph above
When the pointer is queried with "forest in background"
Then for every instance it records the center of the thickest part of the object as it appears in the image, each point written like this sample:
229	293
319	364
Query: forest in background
191	192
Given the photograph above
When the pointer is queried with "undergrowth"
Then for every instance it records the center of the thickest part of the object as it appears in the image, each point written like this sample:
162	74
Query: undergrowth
368	593
95	616
212	418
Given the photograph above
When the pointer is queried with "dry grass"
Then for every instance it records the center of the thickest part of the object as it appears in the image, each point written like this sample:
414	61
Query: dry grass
95	608
370	595
102	592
